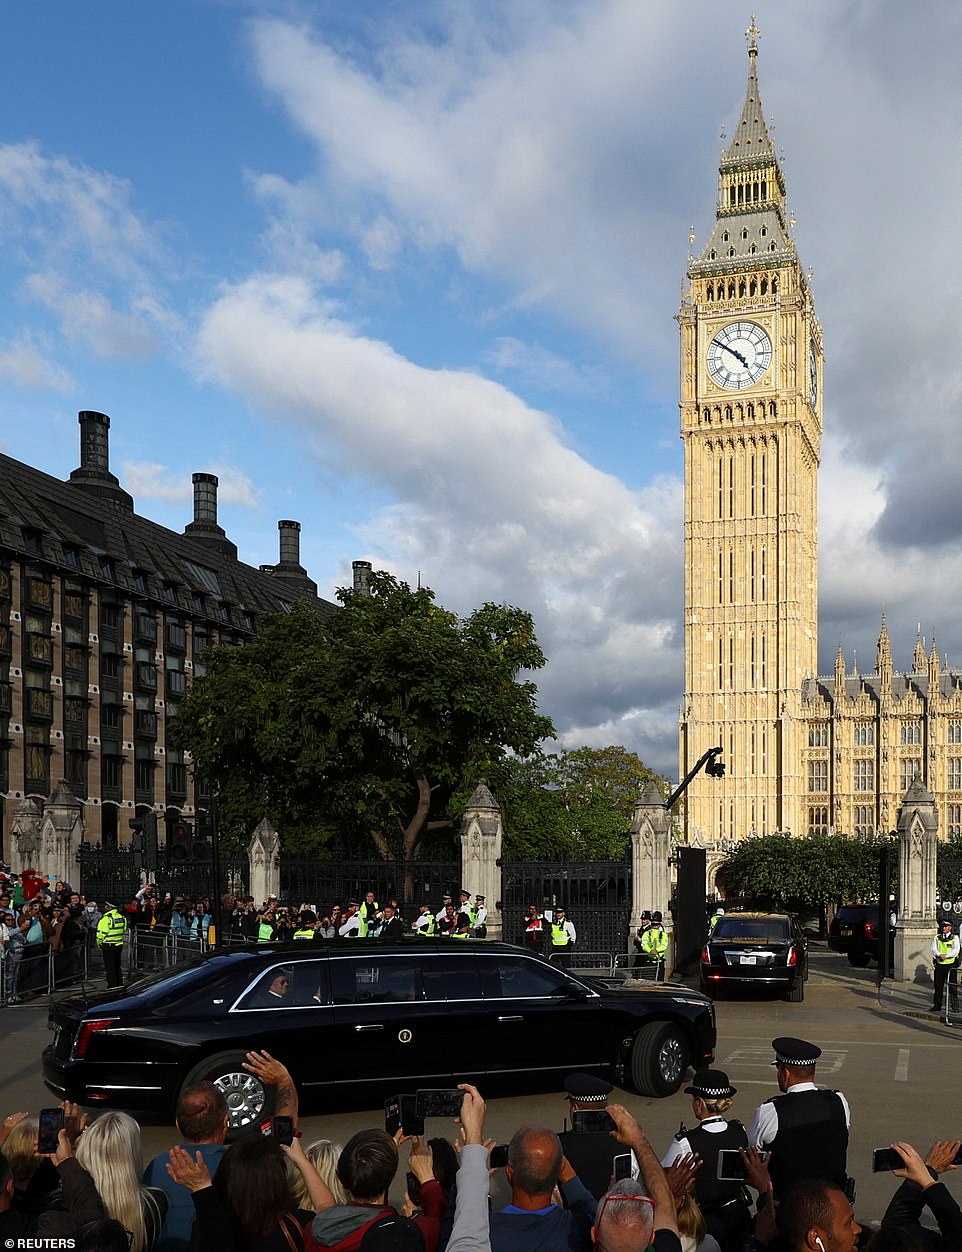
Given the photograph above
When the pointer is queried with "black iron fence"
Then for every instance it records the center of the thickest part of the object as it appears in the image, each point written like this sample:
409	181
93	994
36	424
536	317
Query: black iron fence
116	874
596	895
337	880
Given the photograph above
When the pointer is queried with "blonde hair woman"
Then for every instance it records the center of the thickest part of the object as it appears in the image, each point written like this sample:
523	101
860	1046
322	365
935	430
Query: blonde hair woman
322	1154
110	1150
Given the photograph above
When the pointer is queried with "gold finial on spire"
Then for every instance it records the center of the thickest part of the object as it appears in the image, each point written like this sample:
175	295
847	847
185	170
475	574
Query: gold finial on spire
691	235
752	35
791	220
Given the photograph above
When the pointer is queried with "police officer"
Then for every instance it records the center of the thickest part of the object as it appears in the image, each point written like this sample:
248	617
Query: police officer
480	927
425	924
306	925
713	920
725	1205
591	1153
368	913
806	1127
654	943
641	956
945	963
110	941
563	934
265	924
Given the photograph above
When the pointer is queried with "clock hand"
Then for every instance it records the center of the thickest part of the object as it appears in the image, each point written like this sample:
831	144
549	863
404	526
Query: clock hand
735	354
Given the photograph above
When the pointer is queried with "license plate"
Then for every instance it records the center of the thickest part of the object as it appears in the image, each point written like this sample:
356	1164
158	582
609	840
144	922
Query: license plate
749	960
846	932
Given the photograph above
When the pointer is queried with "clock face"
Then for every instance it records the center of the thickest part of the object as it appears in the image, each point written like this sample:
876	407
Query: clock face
738	355
813	372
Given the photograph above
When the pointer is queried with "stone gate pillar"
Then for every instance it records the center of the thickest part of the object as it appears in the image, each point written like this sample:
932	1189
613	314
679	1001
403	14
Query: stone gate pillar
61	833
918	849
650	849
482	835
25	836
263	853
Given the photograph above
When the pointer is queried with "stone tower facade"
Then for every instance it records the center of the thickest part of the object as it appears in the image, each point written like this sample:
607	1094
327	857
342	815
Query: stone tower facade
751	424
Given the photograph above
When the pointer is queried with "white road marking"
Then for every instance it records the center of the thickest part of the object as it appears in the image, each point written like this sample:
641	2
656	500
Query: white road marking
902	1066
830	1062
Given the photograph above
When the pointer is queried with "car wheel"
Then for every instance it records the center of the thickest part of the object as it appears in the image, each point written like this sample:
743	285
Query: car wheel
858	958
659	1059
797	993
248	1100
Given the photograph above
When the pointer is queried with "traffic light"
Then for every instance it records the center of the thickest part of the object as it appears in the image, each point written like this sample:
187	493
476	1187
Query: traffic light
179	842
143	839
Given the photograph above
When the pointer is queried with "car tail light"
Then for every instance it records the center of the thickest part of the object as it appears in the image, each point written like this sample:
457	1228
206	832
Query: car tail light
869	929
705	958
793	956
86	1033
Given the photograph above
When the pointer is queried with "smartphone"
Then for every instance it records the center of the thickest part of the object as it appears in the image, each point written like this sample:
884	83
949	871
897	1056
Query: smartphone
731	1165
621	1166
282	1129
591	1121
884	1159
400	1113
413	1188
499	1156
439	1102
51	1124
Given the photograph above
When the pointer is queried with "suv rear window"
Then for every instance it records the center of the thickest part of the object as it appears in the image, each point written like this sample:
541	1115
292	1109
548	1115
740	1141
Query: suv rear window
763	929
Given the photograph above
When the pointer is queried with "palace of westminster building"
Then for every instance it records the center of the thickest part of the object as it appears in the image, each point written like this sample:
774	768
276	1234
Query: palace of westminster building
805	754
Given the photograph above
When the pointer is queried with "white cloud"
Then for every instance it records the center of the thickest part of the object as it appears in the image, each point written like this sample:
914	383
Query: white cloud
381	242
151	480
25	365
89	318
486	494
534	363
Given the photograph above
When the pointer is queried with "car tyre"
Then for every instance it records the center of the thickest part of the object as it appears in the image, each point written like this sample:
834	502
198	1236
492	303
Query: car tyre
858	958
797	993
659	1059
249	1101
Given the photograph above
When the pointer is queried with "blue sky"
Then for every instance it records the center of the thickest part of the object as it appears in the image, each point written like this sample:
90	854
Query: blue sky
407	272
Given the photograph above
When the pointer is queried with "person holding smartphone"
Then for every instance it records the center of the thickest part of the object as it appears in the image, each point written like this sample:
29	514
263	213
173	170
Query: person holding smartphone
723	1202
591	1152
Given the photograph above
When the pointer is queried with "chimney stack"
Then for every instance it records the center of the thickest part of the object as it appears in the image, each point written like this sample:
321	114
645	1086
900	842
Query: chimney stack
94	471
362	576
290	545
204	526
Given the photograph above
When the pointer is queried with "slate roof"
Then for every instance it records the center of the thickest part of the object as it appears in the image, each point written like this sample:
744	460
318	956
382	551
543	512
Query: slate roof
96	536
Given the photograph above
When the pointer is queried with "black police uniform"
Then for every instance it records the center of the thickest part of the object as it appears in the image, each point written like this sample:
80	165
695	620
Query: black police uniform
591	1153
725	1205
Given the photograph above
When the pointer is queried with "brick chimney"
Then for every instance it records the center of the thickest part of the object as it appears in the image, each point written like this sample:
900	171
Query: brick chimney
94	471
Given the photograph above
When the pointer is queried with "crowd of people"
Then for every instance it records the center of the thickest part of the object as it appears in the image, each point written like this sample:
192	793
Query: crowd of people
601	1187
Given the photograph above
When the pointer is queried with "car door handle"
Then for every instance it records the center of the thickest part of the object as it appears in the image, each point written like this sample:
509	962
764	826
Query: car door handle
378	1027
516	1018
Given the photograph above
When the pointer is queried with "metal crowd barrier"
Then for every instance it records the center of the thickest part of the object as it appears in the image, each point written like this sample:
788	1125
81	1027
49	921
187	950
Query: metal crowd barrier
595	964
624	967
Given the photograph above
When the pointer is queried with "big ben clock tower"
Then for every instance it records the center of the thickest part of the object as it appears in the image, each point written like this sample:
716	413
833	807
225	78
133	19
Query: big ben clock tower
751	405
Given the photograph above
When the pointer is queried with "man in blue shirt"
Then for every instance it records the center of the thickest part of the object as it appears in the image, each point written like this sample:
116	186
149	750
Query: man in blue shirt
532	1222
201	1119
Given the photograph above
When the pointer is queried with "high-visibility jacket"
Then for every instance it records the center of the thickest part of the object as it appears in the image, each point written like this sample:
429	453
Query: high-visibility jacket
307	932
945	951
655	943
110	929
559	936
265	932
426	925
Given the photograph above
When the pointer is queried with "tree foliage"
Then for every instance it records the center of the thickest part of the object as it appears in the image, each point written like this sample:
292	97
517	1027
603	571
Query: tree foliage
578	802
823	869
371	719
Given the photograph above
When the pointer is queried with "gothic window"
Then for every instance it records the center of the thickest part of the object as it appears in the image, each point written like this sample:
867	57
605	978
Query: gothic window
774	277
763	577
865	775
741	288
731	195
764	286
731	576
954	782
764	189
721	578
731	290
751	499
864	734
725	237
751	589
728	412
752	677
772	409
731	661
764	647
955	731
744	234
731	477
864	820
764	501
710	292
751	757
818	775
908	767
753	250
741	194
911	732
955	821
818	735
752	286
764	230
706	414
771	248
721	486
713	256
721	666
751	410
818	820
731	285
764	765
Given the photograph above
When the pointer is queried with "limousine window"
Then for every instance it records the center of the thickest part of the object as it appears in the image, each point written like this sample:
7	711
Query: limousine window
298	985
363	981
516	977
451	977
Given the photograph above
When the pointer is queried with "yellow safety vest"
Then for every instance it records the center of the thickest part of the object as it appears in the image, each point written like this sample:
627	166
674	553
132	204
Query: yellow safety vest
559	936
308	933
110	930
265	932
946	954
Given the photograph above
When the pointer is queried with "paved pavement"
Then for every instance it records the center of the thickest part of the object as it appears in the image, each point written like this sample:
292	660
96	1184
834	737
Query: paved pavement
897	1063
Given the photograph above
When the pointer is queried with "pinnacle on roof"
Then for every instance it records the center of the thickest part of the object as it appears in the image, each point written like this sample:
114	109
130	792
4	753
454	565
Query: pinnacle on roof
751	140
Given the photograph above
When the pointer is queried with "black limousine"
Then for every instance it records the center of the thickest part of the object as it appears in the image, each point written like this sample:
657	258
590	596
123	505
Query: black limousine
371	1017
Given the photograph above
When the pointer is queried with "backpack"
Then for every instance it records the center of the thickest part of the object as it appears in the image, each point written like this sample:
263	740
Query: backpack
393	1233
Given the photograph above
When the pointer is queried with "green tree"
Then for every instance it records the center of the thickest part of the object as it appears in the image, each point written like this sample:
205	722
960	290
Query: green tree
372	718
817	871
577	802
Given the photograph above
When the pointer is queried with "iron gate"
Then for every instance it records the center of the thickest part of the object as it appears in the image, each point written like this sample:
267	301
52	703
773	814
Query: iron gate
115	874
335	880
596	895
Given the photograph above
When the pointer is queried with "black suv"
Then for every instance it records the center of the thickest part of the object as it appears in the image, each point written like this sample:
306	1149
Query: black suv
367	1016
855	930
